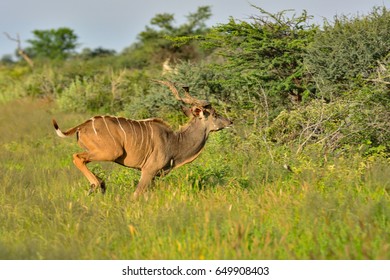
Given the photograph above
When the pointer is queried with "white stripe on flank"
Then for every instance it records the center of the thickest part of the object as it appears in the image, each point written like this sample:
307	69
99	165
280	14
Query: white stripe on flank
151	130
108	129
93	125
132	128
147	135
142	133
122	130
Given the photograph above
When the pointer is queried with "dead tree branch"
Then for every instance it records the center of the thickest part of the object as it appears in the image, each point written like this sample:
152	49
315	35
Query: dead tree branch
19	49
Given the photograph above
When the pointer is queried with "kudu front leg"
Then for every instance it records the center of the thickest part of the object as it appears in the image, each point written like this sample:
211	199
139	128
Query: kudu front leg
80	160
144	182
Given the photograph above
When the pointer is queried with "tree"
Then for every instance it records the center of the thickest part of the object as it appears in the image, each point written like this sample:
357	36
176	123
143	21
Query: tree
263	55
88	53
53	44
154	44
7	59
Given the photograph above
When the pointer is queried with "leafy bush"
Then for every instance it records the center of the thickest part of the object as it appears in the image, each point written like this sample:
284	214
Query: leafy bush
349	62
265	53
316	123
109	92
11	81
85	95
349	48
359	119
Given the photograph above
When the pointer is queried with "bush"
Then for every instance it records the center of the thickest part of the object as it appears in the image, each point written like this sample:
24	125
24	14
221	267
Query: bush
11	81
349	48
109	92
360	119
349	62
315	123
265	53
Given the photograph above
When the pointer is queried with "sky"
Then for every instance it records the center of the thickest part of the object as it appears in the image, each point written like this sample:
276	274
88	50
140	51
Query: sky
115	24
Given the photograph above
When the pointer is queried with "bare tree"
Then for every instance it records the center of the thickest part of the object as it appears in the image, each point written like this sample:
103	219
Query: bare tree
19	49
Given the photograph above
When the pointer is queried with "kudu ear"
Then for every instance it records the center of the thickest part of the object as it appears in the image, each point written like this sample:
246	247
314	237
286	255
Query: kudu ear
192	112
197	112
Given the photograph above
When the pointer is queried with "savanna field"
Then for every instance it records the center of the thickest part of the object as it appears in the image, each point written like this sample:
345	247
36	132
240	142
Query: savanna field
231	203
304	173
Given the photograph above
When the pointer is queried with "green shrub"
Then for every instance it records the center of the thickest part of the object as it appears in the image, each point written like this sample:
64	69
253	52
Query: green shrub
109	92
84	95
315	122
349	48
360	119
11	81
264	53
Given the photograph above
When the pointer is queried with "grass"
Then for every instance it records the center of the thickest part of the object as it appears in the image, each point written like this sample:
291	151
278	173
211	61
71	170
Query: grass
231	203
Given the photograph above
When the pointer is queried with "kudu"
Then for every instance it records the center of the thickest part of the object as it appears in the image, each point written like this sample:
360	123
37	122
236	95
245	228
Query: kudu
149	145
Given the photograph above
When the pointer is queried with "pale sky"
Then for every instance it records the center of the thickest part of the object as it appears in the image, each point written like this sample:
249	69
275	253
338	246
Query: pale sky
115	24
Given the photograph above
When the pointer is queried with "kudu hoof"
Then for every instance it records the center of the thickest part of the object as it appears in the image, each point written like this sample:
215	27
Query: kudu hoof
92	189
103	187
136	195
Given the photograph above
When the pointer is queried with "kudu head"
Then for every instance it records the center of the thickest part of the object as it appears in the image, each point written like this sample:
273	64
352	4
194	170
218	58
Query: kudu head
201	110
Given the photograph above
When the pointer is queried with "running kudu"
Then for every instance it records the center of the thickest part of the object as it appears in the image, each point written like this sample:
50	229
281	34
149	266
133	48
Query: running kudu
149	145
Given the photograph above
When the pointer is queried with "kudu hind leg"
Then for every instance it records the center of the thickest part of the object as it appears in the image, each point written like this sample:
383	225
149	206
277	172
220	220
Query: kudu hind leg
80	160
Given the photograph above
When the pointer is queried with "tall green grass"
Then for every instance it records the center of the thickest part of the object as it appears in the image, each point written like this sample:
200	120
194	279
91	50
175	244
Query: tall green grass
234	202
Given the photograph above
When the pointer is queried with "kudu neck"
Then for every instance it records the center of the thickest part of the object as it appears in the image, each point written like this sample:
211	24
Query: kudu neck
191	139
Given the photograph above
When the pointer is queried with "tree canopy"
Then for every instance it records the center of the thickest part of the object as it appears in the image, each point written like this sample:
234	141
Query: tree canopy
154	44
52	44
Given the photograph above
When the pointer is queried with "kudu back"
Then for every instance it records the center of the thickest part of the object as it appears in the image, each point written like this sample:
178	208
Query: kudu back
149	145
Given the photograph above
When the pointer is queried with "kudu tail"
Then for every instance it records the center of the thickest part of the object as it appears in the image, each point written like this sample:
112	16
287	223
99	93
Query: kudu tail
63	134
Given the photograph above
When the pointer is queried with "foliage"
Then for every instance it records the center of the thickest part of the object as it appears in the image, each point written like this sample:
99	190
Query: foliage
87	53
349	48
52	44
313	123
265	53
369	118
360	118
349	62
7	59
153	46
107	92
